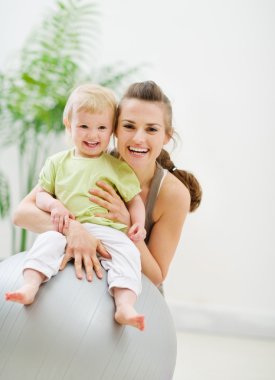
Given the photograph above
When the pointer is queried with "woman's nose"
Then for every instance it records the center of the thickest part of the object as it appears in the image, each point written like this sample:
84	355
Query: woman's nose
139	136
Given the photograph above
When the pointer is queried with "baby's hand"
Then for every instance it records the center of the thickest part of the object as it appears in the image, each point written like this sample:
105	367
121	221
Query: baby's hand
60	216
137	232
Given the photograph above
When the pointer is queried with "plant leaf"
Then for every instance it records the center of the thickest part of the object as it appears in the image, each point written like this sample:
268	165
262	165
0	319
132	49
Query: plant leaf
4	196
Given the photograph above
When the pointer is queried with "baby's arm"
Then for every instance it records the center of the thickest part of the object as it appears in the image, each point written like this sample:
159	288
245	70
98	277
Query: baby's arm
137	212
60	215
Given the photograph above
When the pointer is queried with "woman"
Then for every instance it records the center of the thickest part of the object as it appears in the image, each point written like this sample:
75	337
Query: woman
143	127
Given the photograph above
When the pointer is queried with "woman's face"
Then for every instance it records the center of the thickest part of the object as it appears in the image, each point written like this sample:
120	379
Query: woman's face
141	132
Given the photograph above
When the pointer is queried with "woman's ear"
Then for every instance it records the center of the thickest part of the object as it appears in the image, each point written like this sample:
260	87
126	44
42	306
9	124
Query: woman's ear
167	138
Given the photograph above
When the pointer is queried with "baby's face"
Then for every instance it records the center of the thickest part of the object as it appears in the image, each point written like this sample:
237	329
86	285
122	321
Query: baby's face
91	132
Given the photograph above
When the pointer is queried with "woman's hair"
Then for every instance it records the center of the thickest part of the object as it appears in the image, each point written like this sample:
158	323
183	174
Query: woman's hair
189	180
151	92
89	98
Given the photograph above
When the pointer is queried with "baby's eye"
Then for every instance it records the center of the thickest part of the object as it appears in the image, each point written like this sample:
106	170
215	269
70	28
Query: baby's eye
83	126
102	127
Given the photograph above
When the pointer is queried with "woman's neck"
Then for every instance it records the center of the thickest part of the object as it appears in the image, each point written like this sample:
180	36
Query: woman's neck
145	176
145	179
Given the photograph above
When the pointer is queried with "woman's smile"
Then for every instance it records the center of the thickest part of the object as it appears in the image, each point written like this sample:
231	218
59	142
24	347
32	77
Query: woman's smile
138	151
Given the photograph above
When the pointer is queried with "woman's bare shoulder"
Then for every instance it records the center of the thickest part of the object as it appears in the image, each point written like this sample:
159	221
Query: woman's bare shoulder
173	196
173	189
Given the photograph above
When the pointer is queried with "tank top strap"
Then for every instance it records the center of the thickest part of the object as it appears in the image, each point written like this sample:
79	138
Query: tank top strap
152	196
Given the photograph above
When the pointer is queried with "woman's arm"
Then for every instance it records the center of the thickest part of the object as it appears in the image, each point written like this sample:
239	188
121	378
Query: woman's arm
30	217
166	231
171	209
81	245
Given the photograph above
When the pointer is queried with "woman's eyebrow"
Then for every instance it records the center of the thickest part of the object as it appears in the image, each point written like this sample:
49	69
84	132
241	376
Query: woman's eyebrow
152	124
147	124
128	121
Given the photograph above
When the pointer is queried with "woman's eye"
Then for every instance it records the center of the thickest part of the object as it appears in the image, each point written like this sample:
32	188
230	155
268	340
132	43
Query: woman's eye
128	126
152	129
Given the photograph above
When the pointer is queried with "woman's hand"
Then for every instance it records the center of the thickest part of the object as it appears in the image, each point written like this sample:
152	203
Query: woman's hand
83	247
107	197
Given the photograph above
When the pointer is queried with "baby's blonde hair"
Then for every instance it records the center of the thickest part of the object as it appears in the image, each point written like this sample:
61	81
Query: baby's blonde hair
89	98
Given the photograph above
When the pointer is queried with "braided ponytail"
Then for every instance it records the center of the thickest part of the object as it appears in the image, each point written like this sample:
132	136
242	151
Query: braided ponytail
187	178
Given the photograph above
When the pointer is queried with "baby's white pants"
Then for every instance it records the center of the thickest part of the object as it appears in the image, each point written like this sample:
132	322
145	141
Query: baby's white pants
123	269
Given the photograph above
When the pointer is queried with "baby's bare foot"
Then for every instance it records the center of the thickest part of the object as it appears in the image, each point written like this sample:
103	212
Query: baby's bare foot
24	295
126	315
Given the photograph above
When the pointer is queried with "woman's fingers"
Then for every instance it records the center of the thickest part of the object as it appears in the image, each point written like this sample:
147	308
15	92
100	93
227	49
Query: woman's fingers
98	269
107	188
102	251
92	264
83	247
101	202
88	265
102	196
78	265
67	257
109	215
104	191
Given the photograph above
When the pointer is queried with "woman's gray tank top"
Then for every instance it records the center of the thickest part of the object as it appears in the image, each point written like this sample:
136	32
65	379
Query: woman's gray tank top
152	196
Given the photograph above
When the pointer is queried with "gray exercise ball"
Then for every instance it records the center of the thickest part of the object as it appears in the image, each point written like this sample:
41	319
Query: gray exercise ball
69	332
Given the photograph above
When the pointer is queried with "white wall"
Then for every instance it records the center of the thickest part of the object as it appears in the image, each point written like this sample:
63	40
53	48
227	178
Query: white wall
215	60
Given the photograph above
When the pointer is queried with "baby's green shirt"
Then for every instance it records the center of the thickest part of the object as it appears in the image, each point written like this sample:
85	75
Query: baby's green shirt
69	178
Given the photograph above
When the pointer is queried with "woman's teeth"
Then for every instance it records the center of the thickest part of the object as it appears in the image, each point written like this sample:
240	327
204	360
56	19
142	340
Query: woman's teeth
137	150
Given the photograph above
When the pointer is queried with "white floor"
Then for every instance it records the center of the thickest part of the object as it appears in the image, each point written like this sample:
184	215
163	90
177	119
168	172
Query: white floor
214	357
